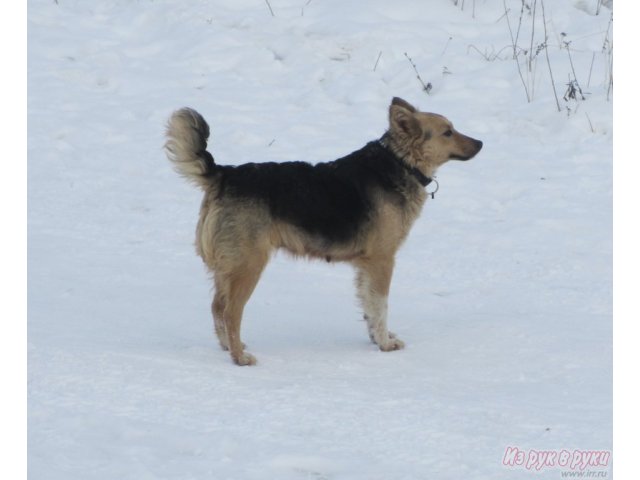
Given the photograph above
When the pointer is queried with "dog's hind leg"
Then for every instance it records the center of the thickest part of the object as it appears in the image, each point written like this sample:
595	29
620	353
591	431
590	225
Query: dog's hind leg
217	309
373	281
236	288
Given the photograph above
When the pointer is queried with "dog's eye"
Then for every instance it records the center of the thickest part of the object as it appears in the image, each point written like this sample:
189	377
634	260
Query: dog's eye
448	133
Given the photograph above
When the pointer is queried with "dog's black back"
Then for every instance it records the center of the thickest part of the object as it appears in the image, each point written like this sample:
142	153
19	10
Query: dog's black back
331	200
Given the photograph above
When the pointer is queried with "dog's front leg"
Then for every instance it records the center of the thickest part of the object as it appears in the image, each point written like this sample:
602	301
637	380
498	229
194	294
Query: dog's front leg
373	281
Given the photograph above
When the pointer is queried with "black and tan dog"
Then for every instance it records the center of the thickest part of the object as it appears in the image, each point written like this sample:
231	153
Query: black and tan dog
357	209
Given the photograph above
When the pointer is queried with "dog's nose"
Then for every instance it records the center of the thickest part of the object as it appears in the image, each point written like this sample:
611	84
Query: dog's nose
478	144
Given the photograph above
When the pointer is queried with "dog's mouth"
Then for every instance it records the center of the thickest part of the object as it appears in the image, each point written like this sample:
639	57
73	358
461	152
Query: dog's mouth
477	146
460	157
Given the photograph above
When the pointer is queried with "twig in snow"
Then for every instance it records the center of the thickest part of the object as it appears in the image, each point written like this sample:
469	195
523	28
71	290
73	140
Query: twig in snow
513	43
377	60
500	18
593	57
270	9
607	46
546	52
461	2
506	14
610	74
519	25
533	28
572	89
605	42
574	86
426	87
446	46
590	124
489	57
305	6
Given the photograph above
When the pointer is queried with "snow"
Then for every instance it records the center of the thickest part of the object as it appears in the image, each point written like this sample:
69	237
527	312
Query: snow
502	293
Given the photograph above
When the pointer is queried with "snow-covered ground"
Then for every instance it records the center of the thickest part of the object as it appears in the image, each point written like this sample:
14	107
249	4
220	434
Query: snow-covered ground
502	293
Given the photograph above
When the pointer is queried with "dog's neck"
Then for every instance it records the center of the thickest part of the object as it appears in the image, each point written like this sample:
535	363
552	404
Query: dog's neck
414	171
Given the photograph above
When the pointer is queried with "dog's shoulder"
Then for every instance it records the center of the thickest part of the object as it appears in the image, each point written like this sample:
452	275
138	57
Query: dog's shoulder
372	164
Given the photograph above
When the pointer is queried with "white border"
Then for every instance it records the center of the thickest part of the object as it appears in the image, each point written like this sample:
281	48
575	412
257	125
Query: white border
13	201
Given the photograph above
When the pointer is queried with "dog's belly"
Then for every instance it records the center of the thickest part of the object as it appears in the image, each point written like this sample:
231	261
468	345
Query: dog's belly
298	242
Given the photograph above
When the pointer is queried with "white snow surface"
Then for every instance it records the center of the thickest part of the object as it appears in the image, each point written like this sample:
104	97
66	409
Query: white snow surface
502	292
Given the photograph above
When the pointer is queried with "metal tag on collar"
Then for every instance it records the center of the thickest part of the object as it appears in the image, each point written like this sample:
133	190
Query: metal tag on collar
433	194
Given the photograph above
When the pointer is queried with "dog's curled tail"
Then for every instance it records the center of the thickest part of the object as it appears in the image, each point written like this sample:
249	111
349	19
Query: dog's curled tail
186	146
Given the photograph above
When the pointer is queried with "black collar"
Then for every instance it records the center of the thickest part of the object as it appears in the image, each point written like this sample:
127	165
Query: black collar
421	177
418	175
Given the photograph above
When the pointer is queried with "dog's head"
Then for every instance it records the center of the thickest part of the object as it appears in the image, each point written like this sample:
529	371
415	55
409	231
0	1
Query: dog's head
426	140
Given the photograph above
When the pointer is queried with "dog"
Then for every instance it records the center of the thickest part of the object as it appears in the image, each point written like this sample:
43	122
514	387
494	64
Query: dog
357	209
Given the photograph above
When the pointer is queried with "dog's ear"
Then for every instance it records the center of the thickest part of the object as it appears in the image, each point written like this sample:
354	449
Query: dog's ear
403	122
404	104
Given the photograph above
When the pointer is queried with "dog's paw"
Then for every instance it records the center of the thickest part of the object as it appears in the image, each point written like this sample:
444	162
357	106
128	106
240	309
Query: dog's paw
244	359
392	344
373	337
